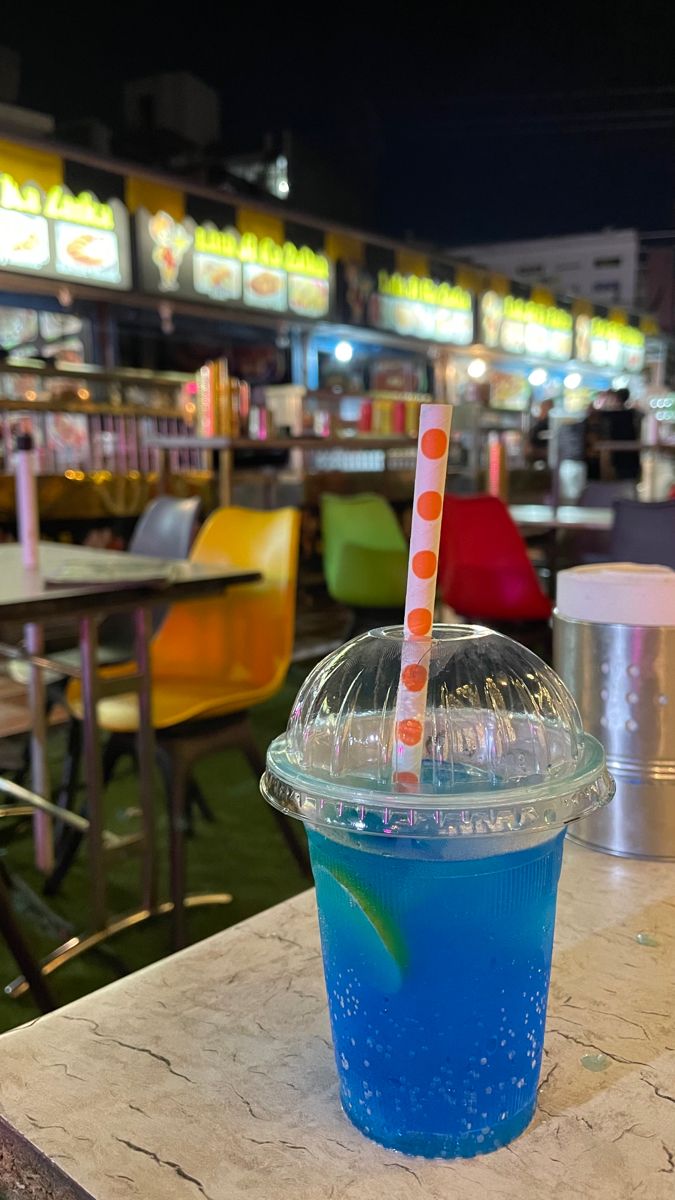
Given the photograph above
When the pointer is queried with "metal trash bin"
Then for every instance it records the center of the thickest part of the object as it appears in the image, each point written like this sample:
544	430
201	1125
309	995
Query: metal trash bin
623	679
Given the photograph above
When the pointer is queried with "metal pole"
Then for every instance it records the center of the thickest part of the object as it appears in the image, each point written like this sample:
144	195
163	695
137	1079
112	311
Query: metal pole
554	425
146	755
224	466
298	357
92	766
311	371
43	830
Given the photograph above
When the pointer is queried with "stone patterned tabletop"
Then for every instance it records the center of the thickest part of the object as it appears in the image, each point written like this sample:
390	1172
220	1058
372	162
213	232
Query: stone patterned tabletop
210	1074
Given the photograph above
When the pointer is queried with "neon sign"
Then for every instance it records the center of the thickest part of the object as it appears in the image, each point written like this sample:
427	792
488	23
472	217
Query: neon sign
521	326
416	306
63	236
605	343
229	267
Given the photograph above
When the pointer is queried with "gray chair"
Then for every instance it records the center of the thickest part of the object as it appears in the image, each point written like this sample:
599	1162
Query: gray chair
644	532
165	529
603	493
593	545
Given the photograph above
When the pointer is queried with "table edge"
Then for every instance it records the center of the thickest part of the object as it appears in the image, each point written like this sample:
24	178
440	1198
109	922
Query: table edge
30	1174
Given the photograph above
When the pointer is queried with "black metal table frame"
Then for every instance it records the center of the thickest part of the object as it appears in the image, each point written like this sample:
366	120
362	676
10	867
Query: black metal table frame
89	607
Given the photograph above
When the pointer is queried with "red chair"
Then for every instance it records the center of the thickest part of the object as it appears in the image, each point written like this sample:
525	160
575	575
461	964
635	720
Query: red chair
484	571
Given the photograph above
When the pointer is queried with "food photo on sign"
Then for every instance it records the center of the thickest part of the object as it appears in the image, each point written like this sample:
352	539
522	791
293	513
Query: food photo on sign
63	236
230	267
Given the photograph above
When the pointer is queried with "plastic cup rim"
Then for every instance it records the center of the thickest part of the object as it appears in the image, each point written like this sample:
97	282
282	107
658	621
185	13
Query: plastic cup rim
590	768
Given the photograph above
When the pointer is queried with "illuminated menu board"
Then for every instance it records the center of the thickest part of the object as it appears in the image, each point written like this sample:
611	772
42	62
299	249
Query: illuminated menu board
604	343
61	236
194	261
526	327
414	306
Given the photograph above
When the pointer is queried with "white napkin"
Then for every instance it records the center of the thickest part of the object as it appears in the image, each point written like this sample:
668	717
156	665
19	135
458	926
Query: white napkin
618	594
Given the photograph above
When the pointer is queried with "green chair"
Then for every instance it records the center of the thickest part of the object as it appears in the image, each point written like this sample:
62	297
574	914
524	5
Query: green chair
365	555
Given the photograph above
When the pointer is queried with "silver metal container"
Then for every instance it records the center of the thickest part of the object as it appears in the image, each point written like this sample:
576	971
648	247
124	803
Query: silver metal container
623	679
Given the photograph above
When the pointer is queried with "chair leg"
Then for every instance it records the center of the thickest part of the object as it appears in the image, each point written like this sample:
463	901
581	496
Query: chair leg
117	745
55	694
67	850
247	744
174	770
69	839
71	765
23	773
19	948
196	796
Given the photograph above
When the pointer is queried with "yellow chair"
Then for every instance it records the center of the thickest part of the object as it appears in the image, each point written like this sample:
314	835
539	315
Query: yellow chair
211	661
219	656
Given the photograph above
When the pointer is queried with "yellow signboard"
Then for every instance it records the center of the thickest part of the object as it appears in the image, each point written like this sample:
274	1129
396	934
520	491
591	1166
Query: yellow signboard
521	326
227	266
247	247
416	306
63	236
604	343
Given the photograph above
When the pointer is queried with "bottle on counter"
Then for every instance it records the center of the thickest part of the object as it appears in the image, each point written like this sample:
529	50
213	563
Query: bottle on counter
398	416
223	399
497	475
365	416
205	400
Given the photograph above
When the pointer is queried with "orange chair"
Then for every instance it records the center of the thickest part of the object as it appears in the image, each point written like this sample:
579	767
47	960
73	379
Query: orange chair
484	571
211	661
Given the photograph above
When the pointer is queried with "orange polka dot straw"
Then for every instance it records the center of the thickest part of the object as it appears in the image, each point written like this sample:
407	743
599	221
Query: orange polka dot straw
432	462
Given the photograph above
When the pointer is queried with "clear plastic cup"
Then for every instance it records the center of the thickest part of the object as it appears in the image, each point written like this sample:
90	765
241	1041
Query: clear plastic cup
437	909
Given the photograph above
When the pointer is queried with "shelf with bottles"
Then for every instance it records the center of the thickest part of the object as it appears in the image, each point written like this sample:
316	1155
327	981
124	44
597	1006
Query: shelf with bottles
377	411
86	418
243	426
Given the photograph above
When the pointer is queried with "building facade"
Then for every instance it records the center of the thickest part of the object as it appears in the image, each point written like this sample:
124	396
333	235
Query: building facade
603	266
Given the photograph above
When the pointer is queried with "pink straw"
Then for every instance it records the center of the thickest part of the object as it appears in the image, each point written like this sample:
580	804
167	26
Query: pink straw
430	473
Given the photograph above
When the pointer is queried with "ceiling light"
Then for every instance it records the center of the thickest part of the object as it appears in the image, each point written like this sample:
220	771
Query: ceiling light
343	352
538	376
572	380
476	368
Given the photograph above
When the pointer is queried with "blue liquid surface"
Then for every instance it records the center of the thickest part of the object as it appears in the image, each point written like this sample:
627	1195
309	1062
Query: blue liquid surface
437	976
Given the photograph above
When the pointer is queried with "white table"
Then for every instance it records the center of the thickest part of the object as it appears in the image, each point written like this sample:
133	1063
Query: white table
211	1074
543	517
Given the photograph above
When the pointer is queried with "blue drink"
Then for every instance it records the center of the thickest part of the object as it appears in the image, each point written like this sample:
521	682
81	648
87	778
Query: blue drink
437	904
437	973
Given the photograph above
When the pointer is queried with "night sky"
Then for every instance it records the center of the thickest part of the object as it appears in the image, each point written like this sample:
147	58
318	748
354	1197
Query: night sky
553	118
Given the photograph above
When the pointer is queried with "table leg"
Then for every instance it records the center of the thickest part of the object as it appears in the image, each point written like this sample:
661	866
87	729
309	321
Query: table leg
43	830
223	460
92	766
163	473
146	755
20	950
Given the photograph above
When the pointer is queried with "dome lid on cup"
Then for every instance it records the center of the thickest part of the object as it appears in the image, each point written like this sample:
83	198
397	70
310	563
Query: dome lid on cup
504	747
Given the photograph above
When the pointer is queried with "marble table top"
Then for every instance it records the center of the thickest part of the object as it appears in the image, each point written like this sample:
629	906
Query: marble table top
210	1074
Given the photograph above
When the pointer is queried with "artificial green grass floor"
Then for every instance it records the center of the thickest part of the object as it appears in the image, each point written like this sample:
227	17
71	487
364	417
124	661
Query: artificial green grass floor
243	853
